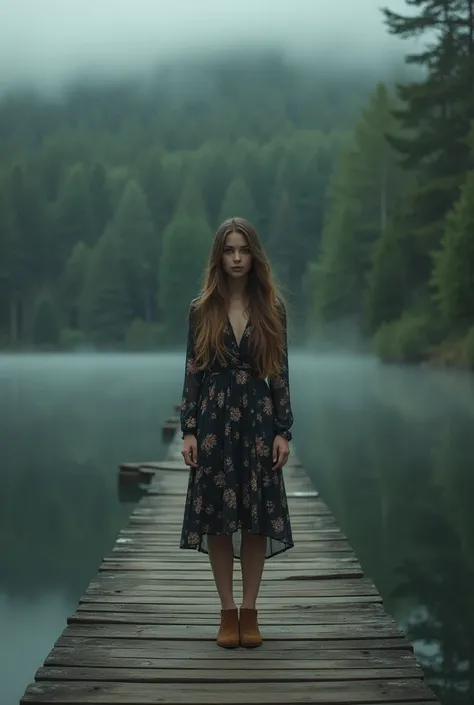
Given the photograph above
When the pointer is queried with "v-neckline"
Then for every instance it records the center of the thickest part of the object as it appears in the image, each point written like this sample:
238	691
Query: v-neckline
238	342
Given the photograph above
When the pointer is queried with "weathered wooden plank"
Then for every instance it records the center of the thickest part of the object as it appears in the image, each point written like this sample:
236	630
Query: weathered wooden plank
337	692
153	563
171	577
277	648
146	553
92	655
187	601
318	588
355	612
170	534
156	548
213	674
208	632
274	619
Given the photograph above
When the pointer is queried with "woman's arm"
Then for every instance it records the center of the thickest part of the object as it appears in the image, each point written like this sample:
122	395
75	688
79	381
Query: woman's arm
280	392
192	381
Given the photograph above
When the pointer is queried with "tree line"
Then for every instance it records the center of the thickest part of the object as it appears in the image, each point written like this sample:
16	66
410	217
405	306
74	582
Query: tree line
109	196
362	192
397	249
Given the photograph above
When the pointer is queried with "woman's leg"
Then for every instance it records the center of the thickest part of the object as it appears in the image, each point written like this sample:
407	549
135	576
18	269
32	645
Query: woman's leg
252	557
222	564
253	560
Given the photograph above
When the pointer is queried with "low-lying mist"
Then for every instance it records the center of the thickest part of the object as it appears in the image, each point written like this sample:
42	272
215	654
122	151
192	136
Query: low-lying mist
46	45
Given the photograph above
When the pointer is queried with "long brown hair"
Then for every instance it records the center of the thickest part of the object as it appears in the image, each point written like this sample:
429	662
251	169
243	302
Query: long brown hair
267	310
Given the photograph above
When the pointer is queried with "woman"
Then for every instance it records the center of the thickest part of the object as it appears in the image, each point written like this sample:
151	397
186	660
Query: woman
236	418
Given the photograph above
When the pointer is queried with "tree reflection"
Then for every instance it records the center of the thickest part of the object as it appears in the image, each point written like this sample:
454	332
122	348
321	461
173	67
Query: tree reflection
398	477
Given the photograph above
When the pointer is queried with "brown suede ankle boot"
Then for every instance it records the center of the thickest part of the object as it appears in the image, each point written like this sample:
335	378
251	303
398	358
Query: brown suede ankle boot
228	635
248	628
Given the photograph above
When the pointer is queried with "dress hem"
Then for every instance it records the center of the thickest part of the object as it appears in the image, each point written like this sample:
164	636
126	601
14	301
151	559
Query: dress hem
199	547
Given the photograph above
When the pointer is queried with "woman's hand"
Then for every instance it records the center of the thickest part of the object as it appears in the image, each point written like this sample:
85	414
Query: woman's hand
281	451
190	450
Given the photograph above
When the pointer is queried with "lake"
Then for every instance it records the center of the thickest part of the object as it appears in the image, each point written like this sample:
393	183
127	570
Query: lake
389	449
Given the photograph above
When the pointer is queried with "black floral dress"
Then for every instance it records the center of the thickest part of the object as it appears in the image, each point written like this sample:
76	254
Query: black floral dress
235	417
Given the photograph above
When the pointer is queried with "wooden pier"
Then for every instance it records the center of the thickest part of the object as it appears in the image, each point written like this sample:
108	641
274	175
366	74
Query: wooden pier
144	632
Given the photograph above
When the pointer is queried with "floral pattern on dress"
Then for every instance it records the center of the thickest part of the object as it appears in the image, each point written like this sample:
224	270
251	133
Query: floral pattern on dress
235	417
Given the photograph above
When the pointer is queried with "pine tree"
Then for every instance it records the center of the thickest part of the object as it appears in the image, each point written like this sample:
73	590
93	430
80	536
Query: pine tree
75	219
132	226
281	245
437	111
364	193
387	290
212	170
454	269
160	184
46	324
11	269
105	307
101	200
337	282
191	203
31	255
238	203
72	282
186	246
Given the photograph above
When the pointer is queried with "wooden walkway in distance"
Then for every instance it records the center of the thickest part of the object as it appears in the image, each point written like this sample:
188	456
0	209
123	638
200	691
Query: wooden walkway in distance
144	632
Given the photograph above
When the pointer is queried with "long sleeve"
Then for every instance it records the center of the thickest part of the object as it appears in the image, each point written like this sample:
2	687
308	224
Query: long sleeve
192	382
280	392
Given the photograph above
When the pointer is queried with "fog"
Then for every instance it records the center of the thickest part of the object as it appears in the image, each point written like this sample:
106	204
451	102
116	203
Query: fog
49	42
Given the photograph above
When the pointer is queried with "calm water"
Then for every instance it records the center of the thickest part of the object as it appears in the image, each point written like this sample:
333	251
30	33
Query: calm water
390	450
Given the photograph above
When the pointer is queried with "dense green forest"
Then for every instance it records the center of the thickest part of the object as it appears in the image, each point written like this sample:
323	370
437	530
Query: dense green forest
110	194
397	249
361	190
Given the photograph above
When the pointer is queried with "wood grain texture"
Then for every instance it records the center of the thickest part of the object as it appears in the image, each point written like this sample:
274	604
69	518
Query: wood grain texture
290	693
144	631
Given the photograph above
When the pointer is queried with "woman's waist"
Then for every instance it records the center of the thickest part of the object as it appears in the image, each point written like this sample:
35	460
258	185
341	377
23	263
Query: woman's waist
241	370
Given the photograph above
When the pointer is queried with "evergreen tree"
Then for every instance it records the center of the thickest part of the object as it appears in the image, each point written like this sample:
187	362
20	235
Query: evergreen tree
191	203
454	269
437	112
186	246
364	192
281	245
388	292
337	283
10	267
29	244
212	170
72	282
46	324
132	227
249	163
101	200
160	182
105	307
238	203
75	220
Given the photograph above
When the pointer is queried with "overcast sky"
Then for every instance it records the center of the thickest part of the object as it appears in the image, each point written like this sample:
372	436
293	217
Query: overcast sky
48	41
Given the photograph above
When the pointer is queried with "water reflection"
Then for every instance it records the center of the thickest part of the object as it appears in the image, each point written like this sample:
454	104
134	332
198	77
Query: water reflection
389	449
66	423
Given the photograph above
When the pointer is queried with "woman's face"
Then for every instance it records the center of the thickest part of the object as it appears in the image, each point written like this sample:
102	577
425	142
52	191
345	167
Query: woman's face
236	257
